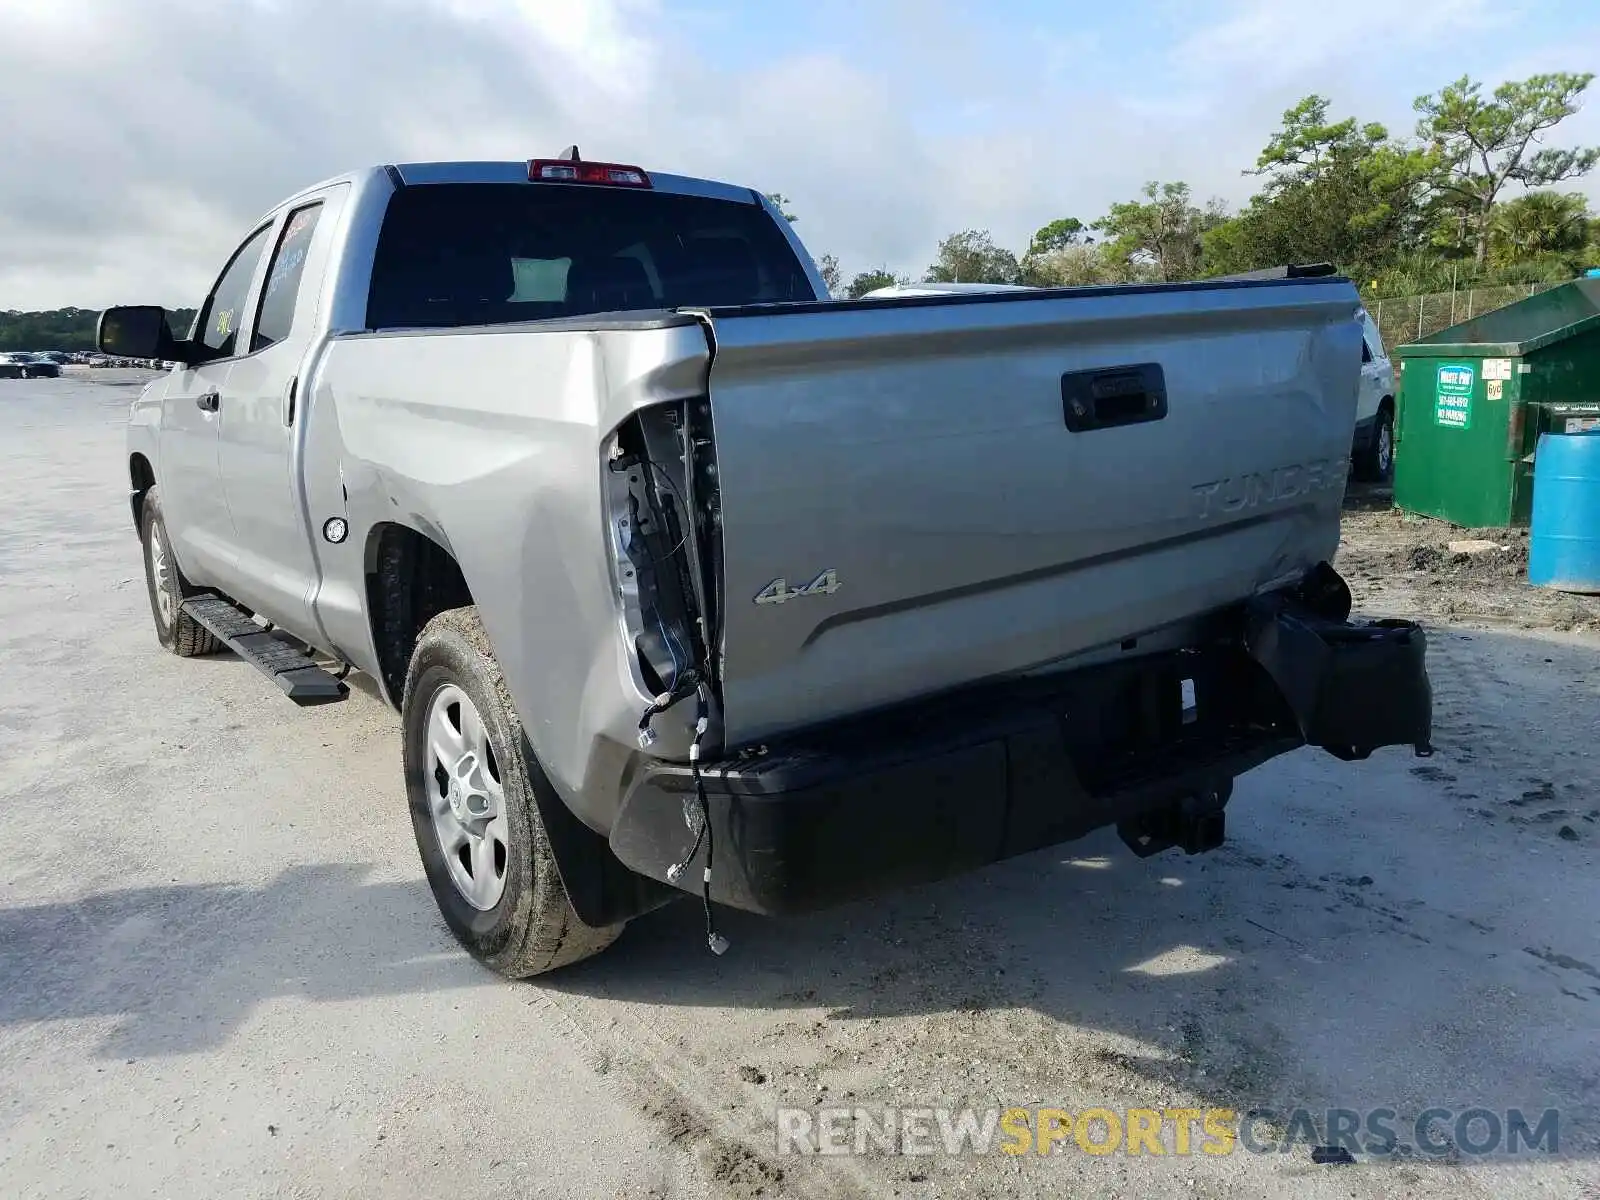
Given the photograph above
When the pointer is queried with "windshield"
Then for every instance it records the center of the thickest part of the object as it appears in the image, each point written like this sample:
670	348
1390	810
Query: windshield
488	253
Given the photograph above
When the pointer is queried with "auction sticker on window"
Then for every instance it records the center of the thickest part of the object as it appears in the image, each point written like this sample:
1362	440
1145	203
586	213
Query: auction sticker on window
1452	405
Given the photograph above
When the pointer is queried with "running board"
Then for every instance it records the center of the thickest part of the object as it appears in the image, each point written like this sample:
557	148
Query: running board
286	665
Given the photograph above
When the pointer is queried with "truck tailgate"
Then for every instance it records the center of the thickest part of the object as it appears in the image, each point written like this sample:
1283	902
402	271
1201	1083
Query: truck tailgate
905	508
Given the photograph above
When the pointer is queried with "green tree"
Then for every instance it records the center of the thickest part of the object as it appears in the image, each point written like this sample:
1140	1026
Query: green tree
1485	143
1077	264
828	268
1401	203
781	202
1333	191
1162	235
1237	244
1310	147
1061	254
869	281
1539	224
973	257
1058	235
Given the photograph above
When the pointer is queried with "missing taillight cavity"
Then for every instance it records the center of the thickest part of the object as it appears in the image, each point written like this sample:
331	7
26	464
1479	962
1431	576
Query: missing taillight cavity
705	502
654	527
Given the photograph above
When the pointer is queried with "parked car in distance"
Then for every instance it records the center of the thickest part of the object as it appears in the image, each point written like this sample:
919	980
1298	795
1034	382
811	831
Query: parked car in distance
1372	449
17	365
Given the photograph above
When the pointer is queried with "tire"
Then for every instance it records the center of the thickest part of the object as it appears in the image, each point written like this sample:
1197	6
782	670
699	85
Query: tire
175	629
498	889
1375	462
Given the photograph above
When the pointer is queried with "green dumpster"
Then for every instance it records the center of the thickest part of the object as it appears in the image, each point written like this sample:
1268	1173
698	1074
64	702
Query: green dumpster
1475	397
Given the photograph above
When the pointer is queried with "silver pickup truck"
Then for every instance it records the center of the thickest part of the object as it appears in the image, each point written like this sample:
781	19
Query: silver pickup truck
686	579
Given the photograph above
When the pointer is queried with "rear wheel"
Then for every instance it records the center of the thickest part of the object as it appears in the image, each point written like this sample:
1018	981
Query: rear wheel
473	785
1375	463
175	629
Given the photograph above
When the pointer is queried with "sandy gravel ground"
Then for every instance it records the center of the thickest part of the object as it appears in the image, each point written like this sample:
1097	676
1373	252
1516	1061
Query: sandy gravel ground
222	974
1401	564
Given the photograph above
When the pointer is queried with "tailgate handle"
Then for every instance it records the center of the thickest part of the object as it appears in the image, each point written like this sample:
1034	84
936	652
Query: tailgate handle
1113	396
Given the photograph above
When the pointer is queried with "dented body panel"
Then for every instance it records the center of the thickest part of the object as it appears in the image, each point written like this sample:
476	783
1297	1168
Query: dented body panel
922	456
506	474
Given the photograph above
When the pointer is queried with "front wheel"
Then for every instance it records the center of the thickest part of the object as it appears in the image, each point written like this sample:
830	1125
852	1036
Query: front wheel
175	629
472	783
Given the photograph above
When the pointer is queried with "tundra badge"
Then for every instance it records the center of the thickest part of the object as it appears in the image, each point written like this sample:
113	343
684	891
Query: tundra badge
779	591
1222	497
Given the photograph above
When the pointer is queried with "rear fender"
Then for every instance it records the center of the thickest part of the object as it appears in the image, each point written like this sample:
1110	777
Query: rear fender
496	444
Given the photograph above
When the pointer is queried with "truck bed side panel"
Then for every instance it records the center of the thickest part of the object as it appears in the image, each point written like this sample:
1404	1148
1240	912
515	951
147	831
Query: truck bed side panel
491	442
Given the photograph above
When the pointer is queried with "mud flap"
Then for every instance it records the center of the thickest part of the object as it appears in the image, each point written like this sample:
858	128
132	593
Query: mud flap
1352	687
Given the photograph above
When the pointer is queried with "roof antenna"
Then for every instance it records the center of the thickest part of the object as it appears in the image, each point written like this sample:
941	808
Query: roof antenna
570	154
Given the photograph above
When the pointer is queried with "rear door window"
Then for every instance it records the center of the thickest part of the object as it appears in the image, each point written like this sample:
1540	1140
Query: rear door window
470	254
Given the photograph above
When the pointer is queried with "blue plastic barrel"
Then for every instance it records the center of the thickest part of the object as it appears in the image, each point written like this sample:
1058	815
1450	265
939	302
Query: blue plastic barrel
1564	543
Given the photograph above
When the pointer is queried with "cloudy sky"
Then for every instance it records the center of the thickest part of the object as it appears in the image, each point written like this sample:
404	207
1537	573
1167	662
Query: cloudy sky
139	138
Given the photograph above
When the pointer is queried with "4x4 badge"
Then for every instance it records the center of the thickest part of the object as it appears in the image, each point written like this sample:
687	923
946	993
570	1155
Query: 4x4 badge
779	591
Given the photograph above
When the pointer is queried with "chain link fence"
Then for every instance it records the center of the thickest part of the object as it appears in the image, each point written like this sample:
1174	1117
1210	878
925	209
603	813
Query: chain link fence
1406	318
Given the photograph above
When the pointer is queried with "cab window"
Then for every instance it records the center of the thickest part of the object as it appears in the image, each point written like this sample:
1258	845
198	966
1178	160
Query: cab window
458	254
284	273
223	311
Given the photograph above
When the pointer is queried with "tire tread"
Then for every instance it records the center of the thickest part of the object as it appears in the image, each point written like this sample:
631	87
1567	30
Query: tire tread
187	637
552	935
1366	460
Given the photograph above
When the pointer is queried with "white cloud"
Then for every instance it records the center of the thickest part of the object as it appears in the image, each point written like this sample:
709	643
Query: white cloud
1280	40
142	136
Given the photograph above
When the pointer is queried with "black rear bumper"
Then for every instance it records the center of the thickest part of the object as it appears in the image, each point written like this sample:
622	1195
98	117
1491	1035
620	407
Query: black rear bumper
941	787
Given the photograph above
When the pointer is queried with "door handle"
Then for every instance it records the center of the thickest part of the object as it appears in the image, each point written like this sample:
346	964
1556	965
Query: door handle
1108	398
208	401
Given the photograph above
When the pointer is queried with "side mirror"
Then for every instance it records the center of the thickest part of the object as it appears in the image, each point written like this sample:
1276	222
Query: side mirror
138	331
